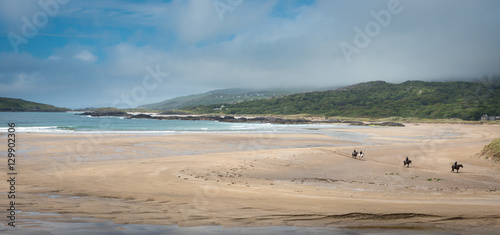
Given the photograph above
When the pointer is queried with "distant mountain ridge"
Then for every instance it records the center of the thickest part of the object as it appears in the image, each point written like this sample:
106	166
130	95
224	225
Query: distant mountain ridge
378	99
220	96
20	105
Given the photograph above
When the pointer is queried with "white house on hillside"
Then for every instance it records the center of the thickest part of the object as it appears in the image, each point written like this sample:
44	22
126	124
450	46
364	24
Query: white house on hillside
489	118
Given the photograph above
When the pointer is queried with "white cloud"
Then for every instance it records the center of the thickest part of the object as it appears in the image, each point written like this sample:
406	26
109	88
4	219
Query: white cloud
53	58
20	82
86	56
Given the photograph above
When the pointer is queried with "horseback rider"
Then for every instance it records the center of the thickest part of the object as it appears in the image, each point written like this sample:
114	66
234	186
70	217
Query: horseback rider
407	159
455	164
361	154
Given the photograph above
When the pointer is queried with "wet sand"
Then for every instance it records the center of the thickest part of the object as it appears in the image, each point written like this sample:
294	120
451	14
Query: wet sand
262	180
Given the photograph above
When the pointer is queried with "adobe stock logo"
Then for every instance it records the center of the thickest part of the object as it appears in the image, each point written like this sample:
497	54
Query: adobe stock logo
372	29
38	20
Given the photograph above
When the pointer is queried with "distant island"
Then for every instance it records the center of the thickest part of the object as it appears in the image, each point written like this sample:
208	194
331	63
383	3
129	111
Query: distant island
105	112
19	105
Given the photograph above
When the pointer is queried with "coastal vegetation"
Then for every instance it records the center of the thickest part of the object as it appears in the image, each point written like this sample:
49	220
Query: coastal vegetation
492	150
378	99
19	105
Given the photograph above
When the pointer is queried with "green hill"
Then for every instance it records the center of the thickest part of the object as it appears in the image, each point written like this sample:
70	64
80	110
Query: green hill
464	100
19	105
216	97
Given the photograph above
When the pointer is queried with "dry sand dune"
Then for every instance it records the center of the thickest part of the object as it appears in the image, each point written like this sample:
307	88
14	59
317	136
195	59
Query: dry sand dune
267	180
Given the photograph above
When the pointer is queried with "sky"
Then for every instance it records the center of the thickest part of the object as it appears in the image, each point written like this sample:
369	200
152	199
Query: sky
94	53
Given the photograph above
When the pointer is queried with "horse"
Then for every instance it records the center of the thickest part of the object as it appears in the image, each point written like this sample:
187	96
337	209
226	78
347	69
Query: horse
406	163
453	167
354	154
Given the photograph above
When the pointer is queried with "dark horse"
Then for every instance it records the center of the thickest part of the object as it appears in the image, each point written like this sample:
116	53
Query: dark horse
453	167
407	163
354	154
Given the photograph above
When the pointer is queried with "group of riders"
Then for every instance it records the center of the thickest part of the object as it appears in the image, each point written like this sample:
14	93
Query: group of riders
360	154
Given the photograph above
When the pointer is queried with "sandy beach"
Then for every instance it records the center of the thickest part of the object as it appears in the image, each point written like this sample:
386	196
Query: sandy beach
256	180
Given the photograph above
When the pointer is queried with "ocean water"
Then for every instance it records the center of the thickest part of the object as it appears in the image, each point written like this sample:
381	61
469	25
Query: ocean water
70	122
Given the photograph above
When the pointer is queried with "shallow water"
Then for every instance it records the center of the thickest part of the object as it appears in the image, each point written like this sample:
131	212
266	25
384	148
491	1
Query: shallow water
89	226
58	224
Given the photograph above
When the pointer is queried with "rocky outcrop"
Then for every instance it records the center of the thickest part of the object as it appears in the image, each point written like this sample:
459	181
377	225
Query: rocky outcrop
117	113
274	120
357	123
392	124
141	116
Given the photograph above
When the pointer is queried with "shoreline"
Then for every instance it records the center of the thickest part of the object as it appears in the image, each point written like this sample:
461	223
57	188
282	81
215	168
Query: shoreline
313	119
285	129
260	180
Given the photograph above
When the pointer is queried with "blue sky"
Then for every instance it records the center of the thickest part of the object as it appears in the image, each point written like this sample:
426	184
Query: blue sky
100	53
